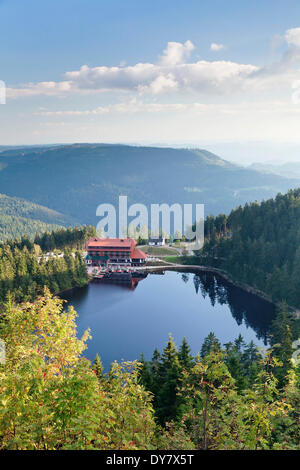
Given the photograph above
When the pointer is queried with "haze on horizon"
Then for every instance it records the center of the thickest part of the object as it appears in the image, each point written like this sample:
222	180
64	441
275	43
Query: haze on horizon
193	74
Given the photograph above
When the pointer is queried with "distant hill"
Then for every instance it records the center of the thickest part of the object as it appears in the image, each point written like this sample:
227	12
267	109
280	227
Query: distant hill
287	170
75	179
19	217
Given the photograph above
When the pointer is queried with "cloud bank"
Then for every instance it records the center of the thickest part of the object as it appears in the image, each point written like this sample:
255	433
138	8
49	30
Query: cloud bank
173	73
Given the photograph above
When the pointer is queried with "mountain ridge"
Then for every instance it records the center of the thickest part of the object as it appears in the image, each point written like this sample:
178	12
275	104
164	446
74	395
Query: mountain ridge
286	170
19	217
73	179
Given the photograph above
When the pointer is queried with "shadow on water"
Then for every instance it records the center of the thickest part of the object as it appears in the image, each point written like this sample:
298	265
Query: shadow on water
255	312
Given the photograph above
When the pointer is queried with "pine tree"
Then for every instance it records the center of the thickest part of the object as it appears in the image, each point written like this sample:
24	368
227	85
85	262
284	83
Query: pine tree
185	357
282	343
167	402
145	377
98	367
211	343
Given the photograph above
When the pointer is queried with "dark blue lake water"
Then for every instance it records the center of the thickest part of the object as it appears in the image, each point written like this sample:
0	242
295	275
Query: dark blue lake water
125	322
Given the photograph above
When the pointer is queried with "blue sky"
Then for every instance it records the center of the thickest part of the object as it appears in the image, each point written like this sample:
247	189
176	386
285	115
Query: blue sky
155	71
45	38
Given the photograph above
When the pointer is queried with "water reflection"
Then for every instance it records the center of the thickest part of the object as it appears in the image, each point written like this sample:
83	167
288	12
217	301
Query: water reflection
256	313
127	321
128	281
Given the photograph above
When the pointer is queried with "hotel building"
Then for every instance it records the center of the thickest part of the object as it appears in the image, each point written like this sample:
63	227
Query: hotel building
104	252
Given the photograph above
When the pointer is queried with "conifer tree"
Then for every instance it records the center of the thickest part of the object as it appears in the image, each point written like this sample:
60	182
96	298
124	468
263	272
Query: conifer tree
98	367
211	343
145	376
282	343
169	374
184	355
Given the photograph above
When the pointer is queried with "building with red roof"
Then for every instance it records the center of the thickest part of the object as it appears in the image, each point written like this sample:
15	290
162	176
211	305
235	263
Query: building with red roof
108	251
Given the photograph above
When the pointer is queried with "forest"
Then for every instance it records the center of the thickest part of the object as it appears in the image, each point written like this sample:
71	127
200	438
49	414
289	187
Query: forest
19	217
25	267
53	398
230	396
259	244
84	175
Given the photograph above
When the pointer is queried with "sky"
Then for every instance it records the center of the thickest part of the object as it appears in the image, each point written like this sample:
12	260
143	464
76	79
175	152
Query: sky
207	72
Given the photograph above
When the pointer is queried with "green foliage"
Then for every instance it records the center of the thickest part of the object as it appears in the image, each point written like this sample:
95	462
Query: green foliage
84	175
259	245
19	217
173	436
211	343
282	343
185	357
229	399
51	397
74	238
287	430
98	367
25	269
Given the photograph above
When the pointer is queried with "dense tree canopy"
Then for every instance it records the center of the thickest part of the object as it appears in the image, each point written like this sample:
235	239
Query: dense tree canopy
19	217
231	396
259	244
53	398
25	266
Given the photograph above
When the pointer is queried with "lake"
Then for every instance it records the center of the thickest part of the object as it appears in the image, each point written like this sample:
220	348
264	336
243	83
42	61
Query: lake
125	322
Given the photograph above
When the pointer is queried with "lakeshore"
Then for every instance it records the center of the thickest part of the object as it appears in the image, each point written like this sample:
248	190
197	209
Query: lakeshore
219	272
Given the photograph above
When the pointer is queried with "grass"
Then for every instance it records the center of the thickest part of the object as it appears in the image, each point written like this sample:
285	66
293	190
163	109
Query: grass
157	250
174	259
156	263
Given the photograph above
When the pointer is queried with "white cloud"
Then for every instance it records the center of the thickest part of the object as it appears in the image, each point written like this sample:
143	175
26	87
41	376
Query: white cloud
292	36
135	106
176	53
202	77
132	106
216	47
174	74
160	84
40	88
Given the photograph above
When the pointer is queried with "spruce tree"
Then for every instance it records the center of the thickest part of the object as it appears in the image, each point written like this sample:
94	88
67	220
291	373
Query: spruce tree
169	375
282	343
98	367
145	376
185	357
211	343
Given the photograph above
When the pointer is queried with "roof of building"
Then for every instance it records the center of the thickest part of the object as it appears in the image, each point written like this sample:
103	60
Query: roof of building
138	254
111	242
